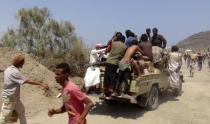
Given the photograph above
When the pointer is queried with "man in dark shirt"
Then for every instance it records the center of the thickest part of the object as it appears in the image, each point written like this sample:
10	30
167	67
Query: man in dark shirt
200	61
157	39
148	32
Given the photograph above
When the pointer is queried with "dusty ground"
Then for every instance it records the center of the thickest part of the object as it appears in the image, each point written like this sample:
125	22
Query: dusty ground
192	107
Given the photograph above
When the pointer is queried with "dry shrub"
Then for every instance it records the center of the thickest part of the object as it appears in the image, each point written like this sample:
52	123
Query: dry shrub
76	57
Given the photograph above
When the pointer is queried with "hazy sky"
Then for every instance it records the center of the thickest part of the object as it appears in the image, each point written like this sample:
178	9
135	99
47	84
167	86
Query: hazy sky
96	20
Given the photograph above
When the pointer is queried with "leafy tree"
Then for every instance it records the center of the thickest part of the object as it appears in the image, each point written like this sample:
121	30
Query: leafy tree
38	33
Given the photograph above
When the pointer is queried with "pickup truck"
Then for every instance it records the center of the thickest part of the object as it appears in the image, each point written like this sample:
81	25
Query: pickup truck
145	89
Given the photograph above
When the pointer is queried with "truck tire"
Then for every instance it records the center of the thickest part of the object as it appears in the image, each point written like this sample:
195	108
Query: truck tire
153	98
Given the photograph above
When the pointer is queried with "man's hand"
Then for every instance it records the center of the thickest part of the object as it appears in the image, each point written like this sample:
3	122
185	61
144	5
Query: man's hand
45	86
51	112
78	121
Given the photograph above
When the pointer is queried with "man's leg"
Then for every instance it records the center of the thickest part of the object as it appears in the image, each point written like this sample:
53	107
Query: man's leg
136	68
201	65
106	80
6	110
20	109
119	82
127	80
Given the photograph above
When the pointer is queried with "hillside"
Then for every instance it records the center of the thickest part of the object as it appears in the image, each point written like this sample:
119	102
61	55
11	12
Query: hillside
197	41
33	97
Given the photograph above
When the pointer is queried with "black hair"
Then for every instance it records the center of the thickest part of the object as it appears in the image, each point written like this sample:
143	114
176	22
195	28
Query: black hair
64	66
128	33
123	38
148	30
155	30
174	49
144	37
118	36
134	42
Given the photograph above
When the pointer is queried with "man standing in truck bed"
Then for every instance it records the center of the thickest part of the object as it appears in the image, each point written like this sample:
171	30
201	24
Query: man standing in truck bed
157	39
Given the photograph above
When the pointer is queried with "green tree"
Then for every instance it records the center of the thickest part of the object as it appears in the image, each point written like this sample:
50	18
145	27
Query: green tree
38	33
9	39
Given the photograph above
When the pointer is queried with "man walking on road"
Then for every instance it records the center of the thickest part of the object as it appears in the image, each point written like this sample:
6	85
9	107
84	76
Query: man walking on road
13	79
175	63
200	61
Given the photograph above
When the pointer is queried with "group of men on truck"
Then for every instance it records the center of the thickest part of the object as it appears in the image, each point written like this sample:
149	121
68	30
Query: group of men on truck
127	58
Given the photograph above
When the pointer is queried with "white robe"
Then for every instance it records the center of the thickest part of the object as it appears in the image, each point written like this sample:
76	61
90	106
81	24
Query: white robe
174	66
92	76
157	54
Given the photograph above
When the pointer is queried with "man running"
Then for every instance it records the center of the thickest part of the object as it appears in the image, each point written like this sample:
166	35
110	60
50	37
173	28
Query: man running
75	102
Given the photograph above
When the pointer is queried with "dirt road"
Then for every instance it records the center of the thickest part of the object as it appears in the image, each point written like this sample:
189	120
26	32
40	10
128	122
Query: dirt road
192	107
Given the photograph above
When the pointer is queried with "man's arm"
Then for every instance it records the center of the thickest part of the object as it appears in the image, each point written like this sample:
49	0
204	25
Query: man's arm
164	42
98	51
109	47
88	105
28	81
51	112
139	50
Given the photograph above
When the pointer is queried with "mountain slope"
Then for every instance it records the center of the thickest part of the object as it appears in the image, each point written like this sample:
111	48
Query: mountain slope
197	41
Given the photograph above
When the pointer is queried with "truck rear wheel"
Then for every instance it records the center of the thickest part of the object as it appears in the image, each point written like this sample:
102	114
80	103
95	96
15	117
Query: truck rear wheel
153	98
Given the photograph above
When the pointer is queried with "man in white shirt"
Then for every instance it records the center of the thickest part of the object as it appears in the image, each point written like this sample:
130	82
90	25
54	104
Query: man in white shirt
13	79
96	53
